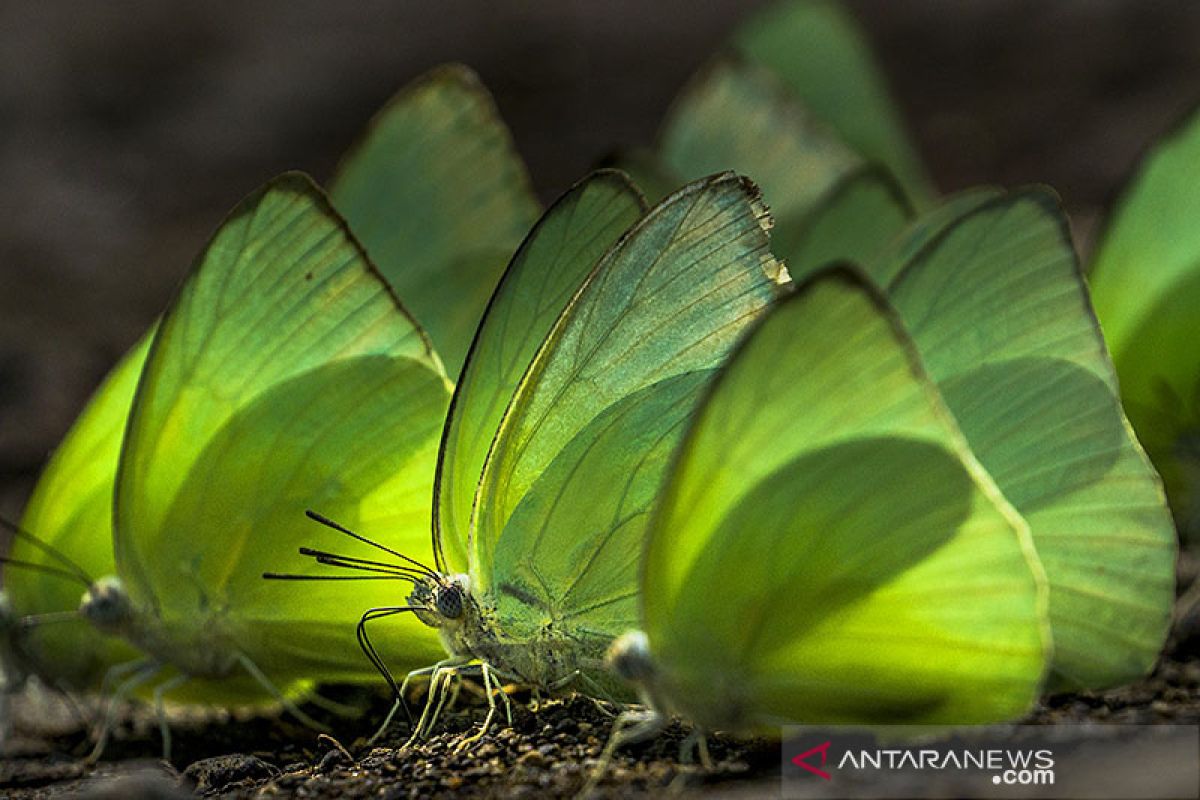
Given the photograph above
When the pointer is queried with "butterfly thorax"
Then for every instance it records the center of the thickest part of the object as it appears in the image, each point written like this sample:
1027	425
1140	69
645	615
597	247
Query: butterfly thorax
542	653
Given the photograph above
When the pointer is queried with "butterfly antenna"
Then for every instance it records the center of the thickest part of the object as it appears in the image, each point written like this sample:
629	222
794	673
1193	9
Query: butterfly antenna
343	529
20	533
46	569
367	565
34	620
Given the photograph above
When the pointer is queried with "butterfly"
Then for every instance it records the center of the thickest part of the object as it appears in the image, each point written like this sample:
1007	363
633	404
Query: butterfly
817	49
826	548
284	372
990	289
600	337
445	124
1144	280
989	285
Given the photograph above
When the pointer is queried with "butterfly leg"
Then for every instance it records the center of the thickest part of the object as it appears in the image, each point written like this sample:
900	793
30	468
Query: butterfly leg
695	742
145	673
630	727
450	675
334	707
399	702
161	712
439	674
273	690
491	686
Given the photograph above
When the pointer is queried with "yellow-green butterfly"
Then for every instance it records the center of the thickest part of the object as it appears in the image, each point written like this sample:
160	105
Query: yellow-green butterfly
818	51
989	286
826	549
738	115
284	373
437	194
1145	279
587	363
438	145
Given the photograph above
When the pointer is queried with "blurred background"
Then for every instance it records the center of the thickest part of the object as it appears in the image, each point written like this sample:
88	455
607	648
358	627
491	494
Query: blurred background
129	127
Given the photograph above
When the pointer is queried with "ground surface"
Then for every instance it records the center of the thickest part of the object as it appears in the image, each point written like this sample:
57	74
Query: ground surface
547	753
126	131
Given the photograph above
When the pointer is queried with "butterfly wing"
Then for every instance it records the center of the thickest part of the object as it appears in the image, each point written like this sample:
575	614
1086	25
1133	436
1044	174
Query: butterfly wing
561	507
440	198
856	221
737	116
819	52
827	550
1000	315
1145	281
285	375
558	254
71	511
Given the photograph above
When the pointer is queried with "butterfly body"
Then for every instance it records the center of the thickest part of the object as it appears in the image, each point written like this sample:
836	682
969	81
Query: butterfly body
539	648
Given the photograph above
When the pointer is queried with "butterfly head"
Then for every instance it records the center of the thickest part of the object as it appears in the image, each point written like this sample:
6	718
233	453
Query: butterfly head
440	601
629	657
106	605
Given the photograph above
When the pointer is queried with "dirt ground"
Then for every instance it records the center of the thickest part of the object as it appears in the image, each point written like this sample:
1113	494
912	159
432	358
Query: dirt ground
548	752
126	131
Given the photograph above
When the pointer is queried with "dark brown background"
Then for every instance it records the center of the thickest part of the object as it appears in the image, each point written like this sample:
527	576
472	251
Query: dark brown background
128	128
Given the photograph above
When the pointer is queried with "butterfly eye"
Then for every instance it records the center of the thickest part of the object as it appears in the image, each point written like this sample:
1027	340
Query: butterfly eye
450	602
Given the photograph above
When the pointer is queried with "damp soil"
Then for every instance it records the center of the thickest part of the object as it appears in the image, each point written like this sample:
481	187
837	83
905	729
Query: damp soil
552	749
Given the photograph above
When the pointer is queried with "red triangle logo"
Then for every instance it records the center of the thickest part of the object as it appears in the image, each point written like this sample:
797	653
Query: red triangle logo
802	760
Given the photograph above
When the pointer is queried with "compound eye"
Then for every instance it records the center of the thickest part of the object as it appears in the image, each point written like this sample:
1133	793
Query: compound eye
449	602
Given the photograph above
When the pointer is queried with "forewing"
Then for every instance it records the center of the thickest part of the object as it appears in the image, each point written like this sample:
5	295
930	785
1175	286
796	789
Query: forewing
818	50
827	549
1000	315
855	222
281	294
440	198
579	454
737	116
547	270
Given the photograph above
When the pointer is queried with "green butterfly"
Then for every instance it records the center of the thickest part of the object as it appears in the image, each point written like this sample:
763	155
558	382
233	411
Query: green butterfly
738	115
989	287
1144	278
437	194
285	372
438	145
589	359
826	548
817	49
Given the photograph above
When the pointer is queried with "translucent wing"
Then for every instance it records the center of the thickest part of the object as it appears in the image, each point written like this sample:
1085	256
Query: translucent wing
819	52
547	270
737	116
440	198
71	510
1145	283
856	221
284	376
1001	318
577	460
827	550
